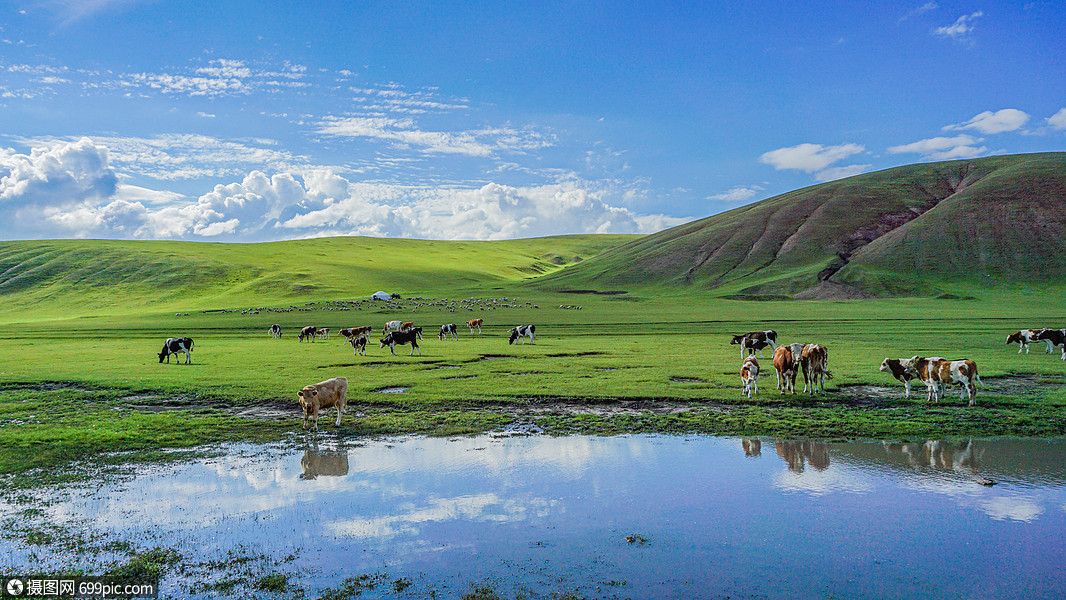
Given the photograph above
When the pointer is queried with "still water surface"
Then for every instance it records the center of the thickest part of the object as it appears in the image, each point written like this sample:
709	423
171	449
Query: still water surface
708	517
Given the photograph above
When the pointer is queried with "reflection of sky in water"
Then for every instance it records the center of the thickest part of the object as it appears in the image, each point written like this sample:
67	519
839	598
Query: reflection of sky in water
850	520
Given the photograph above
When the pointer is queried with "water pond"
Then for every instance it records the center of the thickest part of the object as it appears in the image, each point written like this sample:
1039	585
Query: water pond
641	516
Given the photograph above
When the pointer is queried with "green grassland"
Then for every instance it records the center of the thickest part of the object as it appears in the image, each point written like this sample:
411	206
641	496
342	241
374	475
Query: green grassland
83	321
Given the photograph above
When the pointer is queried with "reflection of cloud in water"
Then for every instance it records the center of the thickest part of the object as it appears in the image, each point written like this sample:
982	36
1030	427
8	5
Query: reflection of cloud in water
1018	508
820	482
481	507
968	494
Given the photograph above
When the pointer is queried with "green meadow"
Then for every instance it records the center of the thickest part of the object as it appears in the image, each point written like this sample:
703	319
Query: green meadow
82	322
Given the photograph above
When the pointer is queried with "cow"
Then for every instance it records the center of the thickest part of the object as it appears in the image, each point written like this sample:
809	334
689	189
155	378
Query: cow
786	360
1054	337
814	361
392	326
332	463
401	337
358	343
937	372
446	330
352	332
749	376
1026	337
522	331
406	325
308	332
275	331
323	333
175	345
417	331
472	323
753	342
322	395
902	370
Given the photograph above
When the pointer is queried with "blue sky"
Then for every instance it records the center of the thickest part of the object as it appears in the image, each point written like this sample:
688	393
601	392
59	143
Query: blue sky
246	121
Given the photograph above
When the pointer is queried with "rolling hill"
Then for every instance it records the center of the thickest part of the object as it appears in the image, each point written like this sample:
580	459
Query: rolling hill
908	231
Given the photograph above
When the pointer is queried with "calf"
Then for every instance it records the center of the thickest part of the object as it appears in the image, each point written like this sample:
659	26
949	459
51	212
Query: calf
753	342
749	376
175	345
786	359
446	330
275	331
522	331
322	395
401	337
358	343
308	332
472	323
1026	337
814	361
323	333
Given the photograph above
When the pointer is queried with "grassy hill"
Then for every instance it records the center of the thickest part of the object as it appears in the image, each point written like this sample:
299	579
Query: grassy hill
914	230
68	278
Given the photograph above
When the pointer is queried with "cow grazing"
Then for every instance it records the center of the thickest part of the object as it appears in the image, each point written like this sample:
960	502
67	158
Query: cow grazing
322	395
522	331
391	326
472	323
1027	336
814	361
174	346
401	337
786	360
749	376
936	373
900	368
448	330
308	332
753	342
1054	337
323	333
358	343
275	331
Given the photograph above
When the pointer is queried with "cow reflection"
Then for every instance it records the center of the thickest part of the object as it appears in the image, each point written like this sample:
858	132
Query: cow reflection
752	448
331	463
798	454
939	454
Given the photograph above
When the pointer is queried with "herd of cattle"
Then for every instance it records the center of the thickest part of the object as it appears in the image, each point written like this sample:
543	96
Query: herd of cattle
812	360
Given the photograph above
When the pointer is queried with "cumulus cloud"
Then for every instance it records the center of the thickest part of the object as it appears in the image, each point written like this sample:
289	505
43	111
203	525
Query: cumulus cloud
738	194
943	148
961	28
815	158
1058	120
1008	119
69	190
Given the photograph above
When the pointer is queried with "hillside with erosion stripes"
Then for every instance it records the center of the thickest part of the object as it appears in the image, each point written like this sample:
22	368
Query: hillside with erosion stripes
66	278
917	230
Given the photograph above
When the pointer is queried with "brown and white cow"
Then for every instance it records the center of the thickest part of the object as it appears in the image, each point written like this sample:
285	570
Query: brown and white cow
323	333
392	326
322	395
786	361
472	323
308	332
753	342
900	368
749	376
936	373
814	361
1028	336
401	337
352	332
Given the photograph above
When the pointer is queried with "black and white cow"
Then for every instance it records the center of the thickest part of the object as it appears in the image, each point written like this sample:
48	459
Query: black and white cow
174	346
1054	337
308	332
522	331
401	337
358	343
275	331
446	330
753	342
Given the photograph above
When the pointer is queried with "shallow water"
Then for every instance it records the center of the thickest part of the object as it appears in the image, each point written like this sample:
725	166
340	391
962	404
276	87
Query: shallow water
707	517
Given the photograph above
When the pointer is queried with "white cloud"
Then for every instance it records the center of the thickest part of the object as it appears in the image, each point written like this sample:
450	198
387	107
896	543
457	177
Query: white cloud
988	122
943	148
60	174
738	194
405	133
921	10
961	28
1058	120
841	172
809	157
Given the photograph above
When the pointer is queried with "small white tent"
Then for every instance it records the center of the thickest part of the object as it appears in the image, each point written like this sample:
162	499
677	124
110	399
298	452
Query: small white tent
381	296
